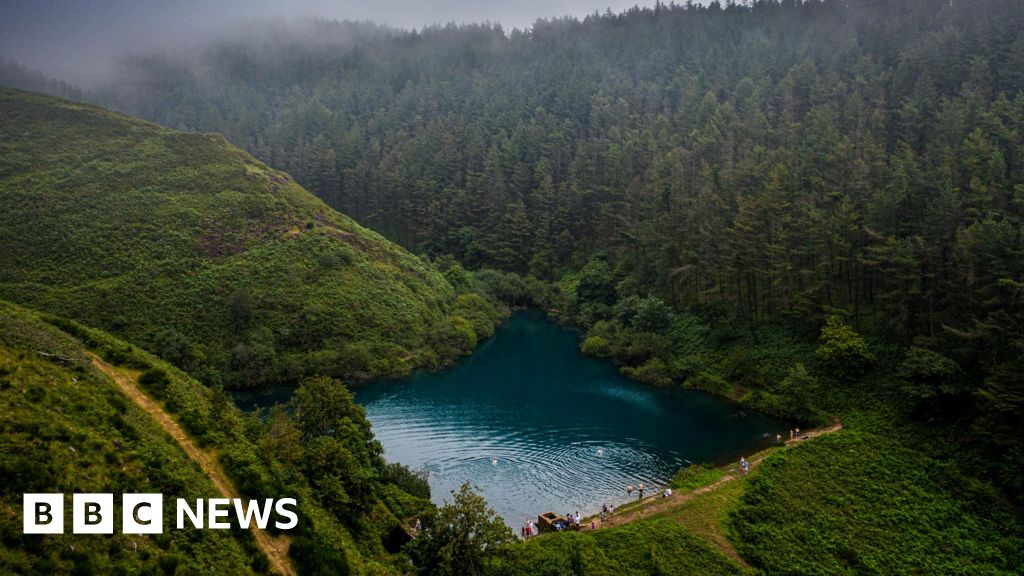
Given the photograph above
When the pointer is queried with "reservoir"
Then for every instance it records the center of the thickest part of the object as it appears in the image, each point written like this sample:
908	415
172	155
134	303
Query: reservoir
539	427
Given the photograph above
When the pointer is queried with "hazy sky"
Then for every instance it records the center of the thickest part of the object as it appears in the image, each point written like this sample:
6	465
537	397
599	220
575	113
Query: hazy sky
71	39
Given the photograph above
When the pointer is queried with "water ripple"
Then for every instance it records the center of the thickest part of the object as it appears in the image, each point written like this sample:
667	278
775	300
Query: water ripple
539	427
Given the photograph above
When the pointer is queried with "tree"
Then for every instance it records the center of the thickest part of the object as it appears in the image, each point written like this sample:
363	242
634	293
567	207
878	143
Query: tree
342	460
512	238
597	283
796	393
323	406
933	385
652	315
842	348
457	539
1000	404
240	309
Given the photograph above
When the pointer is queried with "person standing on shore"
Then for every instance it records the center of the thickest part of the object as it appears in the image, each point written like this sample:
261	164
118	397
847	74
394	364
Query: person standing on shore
640	488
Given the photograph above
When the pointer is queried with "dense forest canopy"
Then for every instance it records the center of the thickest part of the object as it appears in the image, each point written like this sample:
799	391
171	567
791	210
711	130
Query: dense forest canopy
770	161
775	156
813	208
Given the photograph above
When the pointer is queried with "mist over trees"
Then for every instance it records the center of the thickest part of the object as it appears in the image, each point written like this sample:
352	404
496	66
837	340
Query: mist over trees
15	75
776	156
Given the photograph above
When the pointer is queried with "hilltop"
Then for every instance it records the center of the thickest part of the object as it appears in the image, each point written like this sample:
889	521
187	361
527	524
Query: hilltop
193	249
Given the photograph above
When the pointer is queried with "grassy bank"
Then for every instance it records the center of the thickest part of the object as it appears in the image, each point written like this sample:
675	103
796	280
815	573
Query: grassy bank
864	499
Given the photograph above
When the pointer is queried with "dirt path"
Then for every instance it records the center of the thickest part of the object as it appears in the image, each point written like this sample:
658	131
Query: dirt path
275	548
655	504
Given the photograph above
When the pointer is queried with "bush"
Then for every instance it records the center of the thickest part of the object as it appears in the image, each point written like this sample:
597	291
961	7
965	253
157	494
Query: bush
653	372
708	382
652	315
596	346
933	385
796	392
597	283
155	381
411	482
843	349
479	312
317	558
452	338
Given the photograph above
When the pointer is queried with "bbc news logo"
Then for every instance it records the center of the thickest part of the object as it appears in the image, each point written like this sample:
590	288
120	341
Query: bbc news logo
144	513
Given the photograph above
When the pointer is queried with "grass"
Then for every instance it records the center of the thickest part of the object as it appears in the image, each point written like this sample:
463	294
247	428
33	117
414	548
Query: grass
66	428
696	476
51	404
193	249
859	501
644	548
706	515
865	499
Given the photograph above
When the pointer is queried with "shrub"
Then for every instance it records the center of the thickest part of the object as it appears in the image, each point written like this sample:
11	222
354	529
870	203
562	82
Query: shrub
479	312
596	346
597	283
653	371
652	315
155	381
708	382
411	482
842	348
933	385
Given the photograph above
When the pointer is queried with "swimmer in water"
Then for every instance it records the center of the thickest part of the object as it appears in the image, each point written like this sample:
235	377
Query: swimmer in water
494	461
600	451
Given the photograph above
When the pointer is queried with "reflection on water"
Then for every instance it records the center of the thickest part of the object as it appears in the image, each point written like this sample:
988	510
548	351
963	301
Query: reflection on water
539	427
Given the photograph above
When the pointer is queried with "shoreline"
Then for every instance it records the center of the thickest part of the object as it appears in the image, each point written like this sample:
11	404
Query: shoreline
640	508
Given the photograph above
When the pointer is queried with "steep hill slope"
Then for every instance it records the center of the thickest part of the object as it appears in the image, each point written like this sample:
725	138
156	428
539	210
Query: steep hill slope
72	422
195	250
66	428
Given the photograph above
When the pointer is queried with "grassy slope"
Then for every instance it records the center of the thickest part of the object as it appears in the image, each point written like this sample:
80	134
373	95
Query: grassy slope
861	500
134	228
66	428
869	501
642	548
28	383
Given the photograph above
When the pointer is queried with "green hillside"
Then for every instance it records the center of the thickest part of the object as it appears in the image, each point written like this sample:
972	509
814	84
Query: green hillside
67	428
191	248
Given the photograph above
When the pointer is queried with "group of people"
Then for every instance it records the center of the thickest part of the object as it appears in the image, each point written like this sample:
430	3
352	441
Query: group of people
571	522
794	433
640	488
529	530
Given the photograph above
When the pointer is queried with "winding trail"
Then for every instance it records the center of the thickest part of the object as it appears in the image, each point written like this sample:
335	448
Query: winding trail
274	547
656	504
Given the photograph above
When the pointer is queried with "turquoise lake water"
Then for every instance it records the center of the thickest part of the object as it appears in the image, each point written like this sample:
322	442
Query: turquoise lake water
539	427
